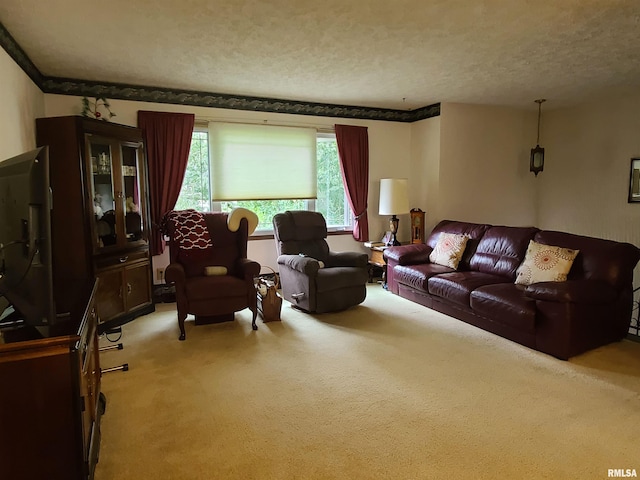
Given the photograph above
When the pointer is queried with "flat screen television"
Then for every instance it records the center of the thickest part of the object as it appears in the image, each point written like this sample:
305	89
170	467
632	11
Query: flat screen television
26	271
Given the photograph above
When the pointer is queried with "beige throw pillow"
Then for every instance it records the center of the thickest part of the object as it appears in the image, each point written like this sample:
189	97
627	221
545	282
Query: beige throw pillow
449	249
215	271
545	263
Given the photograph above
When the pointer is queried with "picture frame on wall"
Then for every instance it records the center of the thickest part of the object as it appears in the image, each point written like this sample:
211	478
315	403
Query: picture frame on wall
634	181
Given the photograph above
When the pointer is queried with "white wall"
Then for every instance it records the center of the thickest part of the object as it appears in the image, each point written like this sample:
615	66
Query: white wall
21	102
389	156
585	183
484	165
425	164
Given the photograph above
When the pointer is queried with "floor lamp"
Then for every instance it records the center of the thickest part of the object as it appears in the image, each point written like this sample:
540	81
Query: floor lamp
394	200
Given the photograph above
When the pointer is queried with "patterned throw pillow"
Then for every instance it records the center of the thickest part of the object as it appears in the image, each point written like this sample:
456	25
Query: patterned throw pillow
449	249
545	263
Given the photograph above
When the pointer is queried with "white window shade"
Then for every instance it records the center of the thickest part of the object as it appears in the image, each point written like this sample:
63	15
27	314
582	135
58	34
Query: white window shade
259	162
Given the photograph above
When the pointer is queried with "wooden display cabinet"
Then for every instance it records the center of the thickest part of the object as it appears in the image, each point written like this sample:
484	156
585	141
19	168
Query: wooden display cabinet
100	218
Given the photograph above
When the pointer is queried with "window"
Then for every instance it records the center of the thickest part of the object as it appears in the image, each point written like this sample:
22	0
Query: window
262	162
331	199
196	191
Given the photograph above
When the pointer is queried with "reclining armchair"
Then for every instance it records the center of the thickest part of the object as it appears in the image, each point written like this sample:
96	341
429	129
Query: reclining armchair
313	278
209	266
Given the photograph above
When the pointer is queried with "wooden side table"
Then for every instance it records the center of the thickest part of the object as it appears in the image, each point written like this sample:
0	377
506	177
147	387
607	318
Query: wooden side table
376	260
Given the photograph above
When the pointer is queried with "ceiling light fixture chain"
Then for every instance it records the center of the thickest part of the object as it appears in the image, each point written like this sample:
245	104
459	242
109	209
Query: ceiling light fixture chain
539	102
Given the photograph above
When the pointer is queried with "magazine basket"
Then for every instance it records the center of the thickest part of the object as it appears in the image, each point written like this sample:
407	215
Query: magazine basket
269	300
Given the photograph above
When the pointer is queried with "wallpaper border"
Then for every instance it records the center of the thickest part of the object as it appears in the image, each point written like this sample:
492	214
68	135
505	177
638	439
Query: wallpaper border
19	56
70	86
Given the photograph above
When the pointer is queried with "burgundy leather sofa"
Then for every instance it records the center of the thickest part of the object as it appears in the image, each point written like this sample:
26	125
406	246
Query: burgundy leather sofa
592	308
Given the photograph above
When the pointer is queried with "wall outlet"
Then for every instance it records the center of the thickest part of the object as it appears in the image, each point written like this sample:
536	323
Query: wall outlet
160	274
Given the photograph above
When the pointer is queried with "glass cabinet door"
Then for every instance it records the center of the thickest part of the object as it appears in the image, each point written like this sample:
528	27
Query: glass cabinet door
102	190
131	182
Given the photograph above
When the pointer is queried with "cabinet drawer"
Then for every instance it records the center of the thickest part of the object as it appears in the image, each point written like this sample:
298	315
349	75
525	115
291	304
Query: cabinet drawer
123	287
377	258
120	259
137	282
110	298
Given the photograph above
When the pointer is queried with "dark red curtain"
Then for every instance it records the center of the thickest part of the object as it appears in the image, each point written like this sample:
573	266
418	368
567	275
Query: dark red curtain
353	149
168	140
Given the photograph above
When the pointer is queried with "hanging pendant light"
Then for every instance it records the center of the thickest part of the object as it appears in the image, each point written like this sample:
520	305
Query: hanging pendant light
536	164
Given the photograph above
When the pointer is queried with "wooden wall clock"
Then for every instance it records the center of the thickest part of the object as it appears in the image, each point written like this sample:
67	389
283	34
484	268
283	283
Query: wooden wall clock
417	225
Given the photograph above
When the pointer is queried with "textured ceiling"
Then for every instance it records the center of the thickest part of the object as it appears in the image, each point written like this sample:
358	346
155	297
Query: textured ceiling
400	54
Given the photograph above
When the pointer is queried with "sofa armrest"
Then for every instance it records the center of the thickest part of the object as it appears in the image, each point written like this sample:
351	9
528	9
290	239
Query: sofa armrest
347	259
572	291
174	273
307	265
249	268
408	254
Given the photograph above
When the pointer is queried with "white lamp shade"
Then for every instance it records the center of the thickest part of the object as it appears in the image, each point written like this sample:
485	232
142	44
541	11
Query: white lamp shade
394	198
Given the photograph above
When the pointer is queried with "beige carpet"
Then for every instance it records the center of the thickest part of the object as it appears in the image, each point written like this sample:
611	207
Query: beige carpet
386	390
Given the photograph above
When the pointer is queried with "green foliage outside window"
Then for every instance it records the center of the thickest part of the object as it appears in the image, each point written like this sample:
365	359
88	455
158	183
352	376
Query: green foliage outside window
331	200
265	209
195	191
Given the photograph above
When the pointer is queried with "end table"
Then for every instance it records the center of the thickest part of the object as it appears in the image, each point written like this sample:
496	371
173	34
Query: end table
376	260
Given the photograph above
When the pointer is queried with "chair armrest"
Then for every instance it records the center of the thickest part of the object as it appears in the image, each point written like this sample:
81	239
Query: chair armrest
174	273
409	254
572	291
249	268
347	259
307	265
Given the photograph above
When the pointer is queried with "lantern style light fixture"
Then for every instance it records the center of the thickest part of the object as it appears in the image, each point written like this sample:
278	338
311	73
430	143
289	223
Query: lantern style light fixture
536	164
394	200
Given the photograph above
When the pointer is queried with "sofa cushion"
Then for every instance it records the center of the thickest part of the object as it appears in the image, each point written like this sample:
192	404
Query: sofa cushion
457	286
195	261
596	258
501	250
505	303
472	230
203	288
590	292
545	263
336	278
416	276
449	249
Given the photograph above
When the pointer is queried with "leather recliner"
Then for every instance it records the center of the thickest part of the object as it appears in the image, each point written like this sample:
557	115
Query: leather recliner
313	278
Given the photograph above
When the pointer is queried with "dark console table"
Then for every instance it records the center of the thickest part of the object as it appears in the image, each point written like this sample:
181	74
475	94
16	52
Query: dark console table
50	400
